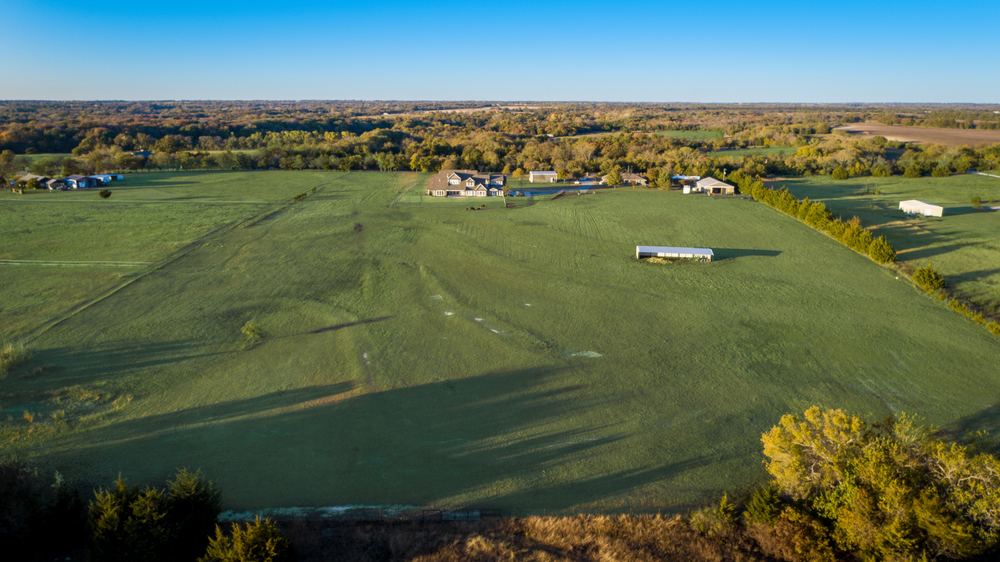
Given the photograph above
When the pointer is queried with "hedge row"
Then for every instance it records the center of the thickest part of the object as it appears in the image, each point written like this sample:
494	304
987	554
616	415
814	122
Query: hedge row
816	215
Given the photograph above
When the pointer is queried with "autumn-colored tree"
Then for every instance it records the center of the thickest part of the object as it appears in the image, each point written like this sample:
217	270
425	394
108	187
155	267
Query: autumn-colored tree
614	176
891	490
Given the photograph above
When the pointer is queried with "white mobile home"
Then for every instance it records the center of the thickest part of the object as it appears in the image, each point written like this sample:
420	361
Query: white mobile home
669	252
914	207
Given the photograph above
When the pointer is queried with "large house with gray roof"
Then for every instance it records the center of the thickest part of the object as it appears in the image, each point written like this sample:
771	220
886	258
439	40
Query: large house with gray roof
466	183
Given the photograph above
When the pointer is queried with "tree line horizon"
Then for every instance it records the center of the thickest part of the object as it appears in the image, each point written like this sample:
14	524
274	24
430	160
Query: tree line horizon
572	139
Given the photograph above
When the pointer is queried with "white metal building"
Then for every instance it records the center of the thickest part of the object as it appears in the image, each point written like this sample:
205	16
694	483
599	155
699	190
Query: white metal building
542	177
701	254
914	207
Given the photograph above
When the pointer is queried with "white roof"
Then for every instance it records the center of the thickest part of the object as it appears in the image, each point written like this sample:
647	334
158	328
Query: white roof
915	203
553	173
673	250
711	181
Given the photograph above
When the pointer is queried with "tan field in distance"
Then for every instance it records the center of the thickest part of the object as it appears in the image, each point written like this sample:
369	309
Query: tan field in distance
947	137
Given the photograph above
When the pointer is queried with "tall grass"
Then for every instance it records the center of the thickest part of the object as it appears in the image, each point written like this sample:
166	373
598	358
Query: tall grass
12	357
595	538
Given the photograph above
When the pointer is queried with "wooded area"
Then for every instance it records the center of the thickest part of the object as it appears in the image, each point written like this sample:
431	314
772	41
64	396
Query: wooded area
575	139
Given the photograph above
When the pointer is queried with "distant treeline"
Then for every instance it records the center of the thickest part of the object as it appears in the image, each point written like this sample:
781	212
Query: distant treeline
572	139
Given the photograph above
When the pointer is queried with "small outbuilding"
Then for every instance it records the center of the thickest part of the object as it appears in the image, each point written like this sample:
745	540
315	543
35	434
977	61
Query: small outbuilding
79	182
713	186
914	207
673	253
628	178
542	177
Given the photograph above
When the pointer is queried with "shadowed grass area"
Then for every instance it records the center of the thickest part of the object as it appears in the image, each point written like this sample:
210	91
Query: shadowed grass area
517	358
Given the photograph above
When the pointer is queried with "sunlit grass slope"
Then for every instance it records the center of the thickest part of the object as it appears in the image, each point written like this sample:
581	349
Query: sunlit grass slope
424	354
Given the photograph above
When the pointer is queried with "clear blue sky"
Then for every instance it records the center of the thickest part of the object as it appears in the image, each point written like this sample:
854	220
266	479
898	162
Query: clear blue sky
626	50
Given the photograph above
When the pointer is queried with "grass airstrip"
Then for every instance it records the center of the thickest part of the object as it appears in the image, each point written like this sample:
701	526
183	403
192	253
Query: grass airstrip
417	353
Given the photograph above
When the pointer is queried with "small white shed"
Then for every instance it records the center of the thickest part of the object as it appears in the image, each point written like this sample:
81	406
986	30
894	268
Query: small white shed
914	207
670	252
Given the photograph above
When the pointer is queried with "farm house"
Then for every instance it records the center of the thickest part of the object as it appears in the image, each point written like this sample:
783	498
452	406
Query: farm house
914	207
668	252
713	186
466	183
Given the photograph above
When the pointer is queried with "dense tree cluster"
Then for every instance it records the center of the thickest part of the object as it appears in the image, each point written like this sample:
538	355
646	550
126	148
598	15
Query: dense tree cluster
888	490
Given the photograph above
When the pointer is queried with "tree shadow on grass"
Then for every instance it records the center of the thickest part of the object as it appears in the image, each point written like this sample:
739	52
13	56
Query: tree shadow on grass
968	428
71	365
969	276
607	486
927	252
485	439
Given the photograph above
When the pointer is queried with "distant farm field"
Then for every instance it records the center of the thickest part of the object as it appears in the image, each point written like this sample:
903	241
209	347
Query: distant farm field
947	137
416	353
964	245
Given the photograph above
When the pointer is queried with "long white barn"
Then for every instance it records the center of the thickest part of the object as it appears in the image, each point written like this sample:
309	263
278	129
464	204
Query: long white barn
914	207
670	252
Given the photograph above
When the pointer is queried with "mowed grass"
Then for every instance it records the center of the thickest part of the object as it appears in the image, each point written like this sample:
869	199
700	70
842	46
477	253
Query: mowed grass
35	157
422	355
964	245
58	249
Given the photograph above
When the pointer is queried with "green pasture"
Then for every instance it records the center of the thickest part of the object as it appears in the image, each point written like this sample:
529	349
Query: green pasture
964	244
59	247
34	157
691	135
741	152
421	354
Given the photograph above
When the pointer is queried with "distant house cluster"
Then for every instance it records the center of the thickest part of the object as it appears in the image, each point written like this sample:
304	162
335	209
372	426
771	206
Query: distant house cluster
466	183
628	178
69	182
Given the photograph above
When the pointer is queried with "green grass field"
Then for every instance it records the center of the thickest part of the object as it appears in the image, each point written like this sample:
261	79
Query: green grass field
33	157
739	153
963	245
691	135
421	354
